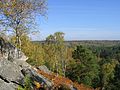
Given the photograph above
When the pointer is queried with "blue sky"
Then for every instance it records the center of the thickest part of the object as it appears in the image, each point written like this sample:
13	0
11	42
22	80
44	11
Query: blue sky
82	19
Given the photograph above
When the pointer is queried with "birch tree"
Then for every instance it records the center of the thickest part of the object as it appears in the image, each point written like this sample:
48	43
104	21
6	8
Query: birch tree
19	15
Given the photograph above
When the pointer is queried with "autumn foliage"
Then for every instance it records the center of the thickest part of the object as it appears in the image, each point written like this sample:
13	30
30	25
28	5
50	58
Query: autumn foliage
59	80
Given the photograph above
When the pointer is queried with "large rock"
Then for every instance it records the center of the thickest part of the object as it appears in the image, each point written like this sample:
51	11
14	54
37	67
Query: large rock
9	51
13	68
44	68
7	86
12	53
35	76
10	71
22	64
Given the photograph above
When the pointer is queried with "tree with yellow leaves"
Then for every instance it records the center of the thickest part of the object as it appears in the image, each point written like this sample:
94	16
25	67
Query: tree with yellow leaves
19	16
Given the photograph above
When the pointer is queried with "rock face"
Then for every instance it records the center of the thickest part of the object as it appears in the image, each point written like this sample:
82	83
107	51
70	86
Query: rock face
6	86
10	75
13	70
44	68
10	52
10	71
37	77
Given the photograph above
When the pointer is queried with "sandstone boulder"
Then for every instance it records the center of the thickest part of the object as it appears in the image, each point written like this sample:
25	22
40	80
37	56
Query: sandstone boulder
10	71
45	69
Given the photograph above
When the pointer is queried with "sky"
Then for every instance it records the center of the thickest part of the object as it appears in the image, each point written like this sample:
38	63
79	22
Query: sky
81	20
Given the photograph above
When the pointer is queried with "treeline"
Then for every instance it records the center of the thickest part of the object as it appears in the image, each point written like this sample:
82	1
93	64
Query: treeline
97	66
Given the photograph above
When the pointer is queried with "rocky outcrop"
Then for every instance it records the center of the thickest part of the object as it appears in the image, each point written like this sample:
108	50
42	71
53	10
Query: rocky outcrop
14	69
10	71
10	52
35	76
7	86
10	75
44	68
13	74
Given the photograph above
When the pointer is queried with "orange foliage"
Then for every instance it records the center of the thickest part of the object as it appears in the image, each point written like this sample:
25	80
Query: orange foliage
59	80
82	87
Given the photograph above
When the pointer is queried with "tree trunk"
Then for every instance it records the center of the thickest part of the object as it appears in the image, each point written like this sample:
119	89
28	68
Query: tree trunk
18	43
65	70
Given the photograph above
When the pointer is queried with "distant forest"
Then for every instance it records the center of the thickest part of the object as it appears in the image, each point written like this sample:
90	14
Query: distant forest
88	42
95	63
